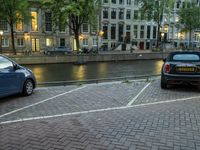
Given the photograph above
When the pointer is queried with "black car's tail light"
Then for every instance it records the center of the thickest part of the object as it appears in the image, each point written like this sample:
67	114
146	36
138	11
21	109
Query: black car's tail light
167	68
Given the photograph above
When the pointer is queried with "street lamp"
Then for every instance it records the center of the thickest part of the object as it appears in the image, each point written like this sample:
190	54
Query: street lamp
162	42
1	34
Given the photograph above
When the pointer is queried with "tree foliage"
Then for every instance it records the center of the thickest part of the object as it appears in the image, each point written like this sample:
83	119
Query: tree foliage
10	11
154	10
73	13
189	18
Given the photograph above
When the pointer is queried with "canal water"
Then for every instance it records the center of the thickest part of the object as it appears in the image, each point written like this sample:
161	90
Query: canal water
95	70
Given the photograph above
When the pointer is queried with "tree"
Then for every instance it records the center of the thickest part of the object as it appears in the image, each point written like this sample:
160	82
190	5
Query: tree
189	18
154	10
13	11
73	13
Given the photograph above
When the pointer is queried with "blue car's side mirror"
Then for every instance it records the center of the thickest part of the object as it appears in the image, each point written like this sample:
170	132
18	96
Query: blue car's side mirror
15	66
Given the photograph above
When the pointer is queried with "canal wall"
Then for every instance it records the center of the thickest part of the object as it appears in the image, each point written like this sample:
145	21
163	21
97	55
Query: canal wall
81	58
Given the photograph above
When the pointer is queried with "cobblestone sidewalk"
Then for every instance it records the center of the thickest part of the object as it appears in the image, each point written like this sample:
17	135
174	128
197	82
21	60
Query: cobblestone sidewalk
157	119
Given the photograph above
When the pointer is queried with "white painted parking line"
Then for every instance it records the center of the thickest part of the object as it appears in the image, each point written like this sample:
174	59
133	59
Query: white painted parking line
133	100
99	110
17	110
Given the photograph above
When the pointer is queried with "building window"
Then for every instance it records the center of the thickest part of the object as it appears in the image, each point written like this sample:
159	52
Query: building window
85	28
3	25
178	5
62	42
19	24
136	2
113	45
113	31
128	14
34	21
121	14
154	32
113	13
105	1
94	41
136	14
128	37
121	2
105	13
105	30
142	31
128	2
49	42
135	31
121	32
113	1
94	29
148	32
85	42
48	21
128	27
5	42
20	42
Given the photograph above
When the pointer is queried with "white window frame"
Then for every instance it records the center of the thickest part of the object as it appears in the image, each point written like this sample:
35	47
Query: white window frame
85	42
20	44
4	43
85	24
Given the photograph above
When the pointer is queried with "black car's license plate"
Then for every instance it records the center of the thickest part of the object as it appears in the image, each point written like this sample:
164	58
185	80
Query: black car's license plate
186	69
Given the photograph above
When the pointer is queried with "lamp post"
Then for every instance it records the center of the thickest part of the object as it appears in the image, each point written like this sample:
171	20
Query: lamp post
162	42
1	34
99	34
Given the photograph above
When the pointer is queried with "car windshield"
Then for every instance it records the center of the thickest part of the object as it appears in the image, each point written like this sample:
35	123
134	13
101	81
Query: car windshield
5	63
185	57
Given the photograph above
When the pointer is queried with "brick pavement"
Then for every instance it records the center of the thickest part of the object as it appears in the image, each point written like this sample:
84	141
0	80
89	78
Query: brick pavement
164	126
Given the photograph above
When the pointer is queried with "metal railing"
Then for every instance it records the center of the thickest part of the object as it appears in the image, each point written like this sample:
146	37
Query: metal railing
100	80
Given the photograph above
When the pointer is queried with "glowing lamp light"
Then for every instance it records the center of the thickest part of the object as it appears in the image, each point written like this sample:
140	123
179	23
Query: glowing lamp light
101	33
1	32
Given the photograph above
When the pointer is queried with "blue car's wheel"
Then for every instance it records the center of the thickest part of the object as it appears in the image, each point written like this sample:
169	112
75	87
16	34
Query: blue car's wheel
28	87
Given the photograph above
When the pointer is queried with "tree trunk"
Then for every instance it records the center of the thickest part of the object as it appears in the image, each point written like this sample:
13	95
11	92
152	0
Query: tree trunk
190	37
13	39
158	36
76	33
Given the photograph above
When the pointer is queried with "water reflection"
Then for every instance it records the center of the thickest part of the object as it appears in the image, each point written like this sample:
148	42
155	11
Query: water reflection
79	72
103	70
39	73
69	72
158	66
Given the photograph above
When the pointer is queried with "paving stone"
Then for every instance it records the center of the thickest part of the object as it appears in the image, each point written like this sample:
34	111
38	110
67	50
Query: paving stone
173	125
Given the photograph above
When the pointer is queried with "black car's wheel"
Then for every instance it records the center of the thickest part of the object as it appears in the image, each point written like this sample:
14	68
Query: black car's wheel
163	85
28	87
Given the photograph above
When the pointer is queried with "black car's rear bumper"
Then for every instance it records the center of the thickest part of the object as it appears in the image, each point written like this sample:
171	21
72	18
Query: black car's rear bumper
180	79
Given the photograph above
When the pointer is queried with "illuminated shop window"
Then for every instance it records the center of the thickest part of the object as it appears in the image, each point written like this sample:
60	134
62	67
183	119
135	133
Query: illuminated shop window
49	42
19	24
34	21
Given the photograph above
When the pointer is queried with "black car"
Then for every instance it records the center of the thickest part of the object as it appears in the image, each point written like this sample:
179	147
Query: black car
181	68
58	50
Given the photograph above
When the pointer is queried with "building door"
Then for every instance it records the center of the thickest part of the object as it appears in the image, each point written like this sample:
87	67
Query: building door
35	45
142	45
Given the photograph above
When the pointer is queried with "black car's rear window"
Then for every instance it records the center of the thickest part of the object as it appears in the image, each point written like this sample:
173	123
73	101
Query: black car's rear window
185	57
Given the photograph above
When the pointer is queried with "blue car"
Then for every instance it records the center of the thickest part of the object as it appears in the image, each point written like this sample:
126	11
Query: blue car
15	78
